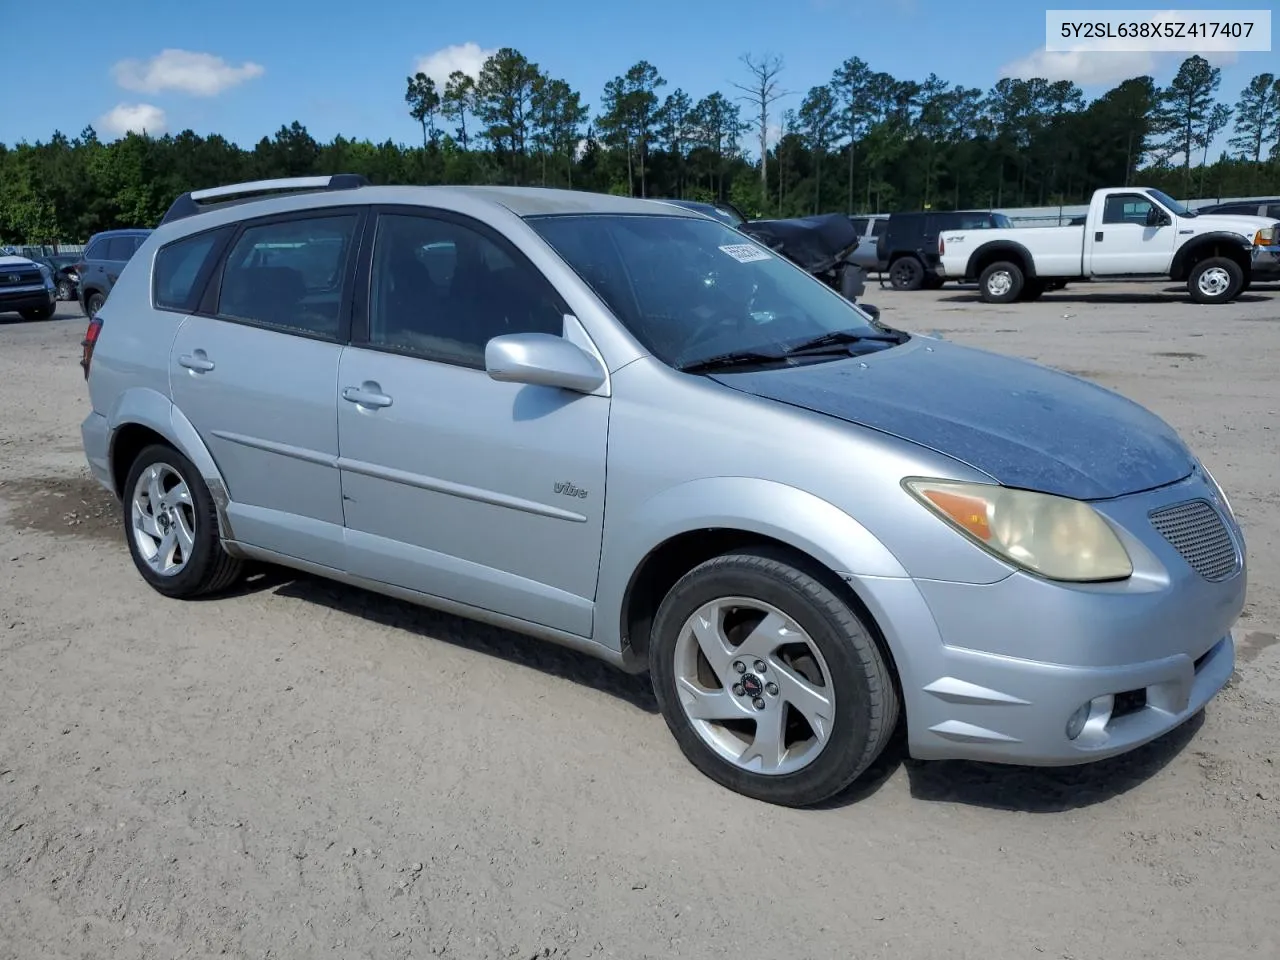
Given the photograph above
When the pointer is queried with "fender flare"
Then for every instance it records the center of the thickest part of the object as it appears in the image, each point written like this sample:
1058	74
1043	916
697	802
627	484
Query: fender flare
1180	267
146	407
994	246
774	510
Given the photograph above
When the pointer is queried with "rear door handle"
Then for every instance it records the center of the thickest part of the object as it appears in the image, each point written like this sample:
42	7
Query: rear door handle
367	395
198	363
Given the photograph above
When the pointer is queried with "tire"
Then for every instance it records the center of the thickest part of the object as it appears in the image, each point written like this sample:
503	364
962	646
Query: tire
207	568
64	290
1001	282
1215	280
862	705
906	273
1246	284
93	303
38	314
1032	290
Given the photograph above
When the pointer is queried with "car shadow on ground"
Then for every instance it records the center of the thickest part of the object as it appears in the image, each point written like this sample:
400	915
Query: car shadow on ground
432	625
1016	788
995	786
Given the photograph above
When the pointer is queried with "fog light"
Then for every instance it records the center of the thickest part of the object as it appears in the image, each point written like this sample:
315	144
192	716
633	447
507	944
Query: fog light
1095	715
1078	720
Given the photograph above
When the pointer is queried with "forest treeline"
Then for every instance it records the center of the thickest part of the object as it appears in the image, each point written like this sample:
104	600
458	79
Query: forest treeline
863	142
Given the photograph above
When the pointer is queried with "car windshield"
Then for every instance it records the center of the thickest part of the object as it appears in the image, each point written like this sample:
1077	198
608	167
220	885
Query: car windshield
691	289
1171	204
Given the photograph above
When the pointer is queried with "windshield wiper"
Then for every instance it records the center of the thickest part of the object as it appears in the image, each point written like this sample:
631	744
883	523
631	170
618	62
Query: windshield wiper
734	359
842	338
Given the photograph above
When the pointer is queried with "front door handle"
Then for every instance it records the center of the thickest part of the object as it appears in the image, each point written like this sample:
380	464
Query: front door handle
366	395
1097	236
199	362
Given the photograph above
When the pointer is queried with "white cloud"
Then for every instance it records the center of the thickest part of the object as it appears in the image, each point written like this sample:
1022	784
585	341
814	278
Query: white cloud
468	57
1087	69
134	117
201	74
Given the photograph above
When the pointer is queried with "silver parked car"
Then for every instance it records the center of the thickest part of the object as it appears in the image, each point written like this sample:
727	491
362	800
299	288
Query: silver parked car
620	425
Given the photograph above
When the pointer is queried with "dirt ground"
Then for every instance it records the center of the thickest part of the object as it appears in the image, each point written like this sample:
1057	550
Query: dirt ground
304	770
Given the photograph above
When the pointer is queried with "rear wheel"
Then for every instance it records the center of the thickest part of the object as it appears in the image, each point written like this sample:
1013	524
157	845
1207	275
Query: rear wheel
1001	282
906	273
769	680
1215	280
94	303
64	290
172	526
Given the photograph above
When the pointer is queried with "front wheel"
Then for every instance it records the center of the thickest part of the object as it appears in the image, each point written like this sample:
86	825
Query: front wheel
770	682
1001	282
64	290
39	313
1215	280
172	526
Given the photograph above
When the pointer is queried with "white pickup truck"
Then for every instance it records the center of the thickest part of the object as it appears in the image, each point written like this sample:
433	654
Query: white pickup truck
1129	233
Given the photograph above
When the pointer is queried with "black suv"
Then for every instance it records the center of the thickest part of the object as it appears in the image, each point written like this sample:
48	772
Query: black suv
1249	208
104	258
908	248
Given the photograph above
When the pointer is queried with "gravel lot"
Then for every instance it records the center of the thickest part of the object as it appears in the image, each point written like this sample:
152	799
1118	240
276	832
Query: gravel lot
304	770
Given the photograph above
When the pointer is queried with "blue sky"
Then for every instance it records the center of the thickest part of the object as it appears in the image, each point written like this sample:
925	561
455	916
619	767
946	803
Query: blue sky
243	67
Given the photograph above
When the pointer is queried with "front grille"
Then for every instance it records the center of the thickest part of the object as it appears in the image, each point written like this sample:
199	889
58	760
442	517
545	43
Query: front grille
25	277
1197	532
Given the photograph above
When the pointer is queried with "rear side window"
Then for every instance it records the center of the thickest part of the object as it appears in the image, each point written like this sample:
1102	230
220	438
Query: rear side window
181	269
1273	210
878	227
290	274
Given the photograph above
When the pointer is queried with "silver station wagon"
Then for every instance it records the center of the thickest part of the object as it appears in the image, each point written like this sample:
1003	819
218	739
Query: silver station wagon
623	426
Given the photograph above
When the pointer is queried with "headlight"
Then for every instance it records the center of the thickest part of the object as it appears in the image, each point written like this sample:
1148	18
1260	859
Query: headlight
1265	237
1055	537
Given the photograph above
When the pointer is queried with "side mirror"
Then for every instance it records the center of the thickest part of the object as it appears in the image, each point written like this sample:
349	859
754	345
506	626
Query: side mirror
1157	218
543	360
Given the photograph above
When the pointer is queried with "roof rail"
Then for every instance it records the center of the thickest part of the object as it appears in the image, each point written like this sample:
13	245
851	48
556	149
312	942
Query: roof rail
195	201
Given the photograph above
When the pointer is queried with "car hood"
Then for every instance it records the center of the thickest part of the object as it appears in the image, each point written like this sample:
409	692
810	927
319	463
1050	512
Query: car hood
1239	223
1024	424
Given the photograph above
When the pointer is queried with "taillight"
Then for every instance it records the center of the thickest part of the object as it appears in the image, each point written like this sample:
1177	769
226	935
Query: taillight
88	343
942	245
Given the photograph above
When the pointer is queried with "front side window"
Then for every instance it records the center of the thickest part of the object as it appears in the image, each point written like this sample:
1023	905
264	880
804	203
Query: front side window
290	274
691	289
120	249
442	290
1126	208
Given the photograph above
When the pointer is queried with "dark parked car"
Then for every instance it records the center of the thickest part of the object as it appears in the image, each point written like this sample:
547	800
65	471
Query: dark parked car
822	244
104	259
908	248
65	278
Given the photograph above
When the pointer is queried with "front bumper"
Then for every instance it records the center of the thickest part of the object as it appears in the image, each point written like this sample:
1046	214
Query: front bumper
1265	266
26	298
995	672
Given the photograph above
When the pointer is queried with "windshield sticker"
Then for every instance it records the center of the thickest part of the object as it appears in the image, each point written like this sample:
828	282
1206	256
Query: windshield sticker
745	252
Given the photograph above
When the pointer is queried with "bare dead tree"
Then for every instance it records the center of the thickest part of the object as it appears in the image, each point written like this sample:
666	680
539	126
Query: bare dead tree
763	90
